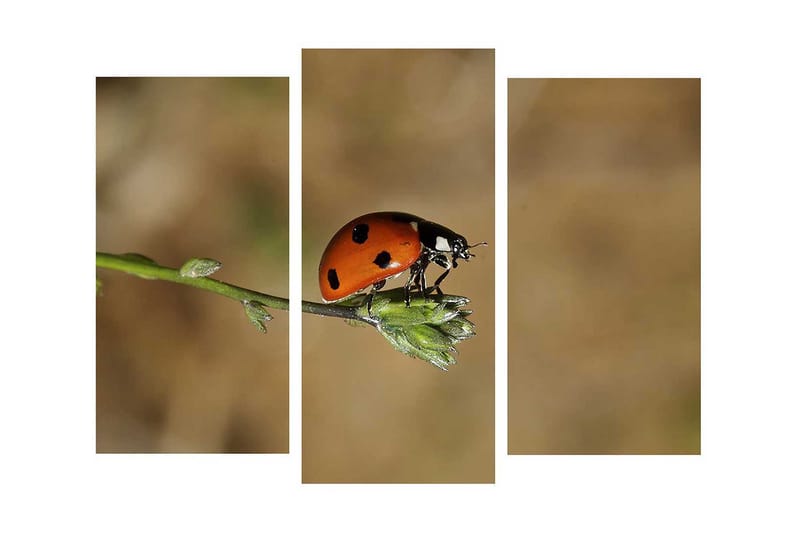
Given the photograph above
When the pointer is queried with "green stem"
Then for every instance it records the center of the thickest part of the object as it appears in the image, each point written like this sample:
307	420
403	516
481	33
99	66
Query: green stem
149	270
339	311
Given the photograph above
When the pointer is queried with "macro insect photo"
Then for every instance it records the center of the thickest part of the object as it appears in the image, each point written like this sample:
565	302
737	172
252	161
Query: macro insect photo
375	248
191	168
398	219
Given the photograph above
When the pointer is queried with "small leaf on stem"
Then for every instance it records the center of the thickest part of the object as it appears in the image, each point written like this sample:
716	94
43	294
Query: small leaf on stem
257	314
139	258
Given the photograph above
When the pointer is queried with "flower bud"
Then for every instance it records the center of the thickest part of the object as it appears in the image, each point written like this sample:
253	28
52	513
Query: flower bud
199	267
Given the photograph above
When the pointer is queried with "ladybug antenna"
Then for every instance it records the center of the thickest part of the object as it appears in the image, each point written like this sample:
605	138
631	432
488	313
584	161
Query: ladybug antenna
473	246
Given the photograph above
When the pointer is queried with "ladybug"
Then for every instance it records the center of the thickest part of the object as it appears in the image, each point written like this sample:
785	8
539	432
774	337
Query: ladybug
376	247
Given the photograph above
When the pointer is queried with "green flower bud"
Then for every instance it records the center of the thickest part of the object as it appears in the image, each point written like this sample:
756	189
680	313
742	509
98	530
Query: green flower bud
428	329
199	267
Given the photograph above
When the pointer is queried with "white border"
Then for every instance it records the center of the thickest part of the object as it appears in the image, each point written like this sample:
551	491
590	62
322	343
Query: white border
501	267
295	267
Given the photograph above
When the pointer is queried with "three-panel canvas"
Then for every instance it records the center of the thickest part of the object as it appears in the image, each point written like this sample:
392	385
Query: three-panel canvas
397	273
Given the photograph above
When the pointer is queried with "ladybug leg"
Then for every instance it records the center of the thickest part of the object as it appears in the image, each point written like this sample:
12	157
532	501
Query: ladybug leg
413	281
439	281
416	279
423	280
444	263
407	288
375	288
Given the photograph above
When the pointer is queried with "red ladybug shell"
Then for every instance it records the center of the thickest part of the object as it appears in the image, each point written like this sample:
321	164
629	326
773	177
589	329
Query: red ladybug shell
368	249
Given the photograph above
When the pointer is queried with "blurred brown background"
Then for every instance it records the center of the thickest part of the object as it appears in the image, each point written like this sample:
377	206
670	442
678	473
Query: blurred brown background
604	266
412	131
192	167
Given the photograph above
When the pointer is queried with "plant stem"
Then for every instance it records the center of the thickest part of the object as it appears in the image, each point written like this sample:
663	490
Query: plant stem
138	266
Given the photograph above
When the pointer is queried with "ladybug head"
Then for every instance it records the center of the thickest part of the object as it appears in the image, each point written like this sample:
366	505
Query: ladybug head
441	240
460	249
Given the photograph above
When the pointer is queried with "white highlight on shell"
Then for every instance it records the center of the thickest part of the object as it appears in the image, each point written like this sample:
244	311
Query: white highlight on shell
414	226
442	244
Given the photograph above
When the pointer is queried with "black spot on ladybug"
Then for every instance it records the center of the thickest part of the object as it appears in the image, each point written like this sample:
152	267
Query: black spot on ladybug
383	259
333	279
360	233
